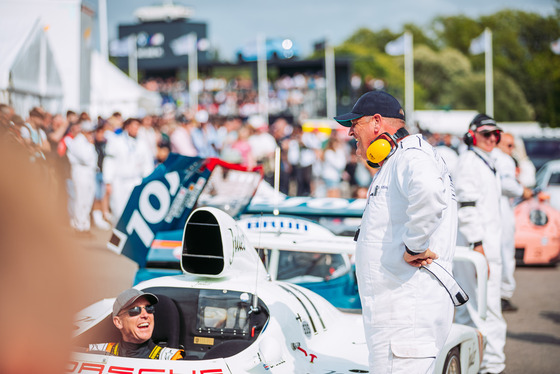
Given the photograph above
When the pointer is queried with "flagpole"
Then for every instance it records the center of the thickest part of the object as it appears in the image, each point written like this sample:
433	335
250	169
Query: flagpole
409	78
331	77
133	57
193	71
489	72
262	76
103	39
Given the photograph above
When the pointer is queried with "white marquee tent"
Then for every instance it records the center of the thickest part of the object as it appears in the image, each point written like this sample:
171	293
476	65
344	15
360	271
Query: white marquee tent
112	90
28	72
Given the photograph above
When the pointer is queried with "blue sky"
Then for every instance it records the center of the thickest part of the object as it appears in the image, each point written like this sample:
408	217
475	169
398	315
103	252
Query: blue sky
231	23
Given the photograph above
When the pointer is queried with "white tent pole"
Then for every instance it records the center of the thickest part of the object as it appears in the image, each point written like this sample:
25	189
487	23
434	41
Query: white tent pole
331	79
262	77
103	38
43	66
408	78
488	70
193	71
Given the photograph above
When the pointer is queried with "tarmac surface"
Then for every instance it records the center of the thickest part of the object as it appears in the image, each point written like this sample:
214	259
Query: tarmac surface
533	333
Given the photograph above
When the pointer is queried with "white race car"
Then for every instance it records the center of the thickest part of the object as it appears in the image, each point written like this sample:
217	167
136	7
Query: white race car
231	318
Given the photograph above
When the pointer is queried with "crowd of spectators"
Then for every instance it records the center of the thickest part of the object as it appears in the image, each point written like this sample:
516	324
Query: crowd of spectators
82	158
316	162
299	96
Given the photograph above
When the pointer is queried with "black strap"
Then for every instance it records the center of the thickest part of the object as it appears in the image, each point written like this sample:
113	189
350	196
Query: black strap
484	160
410	252
401	133
467	203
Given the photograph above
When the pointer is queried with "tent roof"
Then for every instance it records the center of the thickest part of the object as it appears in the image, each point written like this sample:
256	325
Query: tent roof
25	65
112	90
14	31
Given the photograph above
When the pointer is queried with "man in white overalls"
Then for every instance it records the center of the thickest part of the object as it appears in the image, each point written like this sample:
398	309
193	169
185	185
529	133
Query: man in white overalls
410	220
479	193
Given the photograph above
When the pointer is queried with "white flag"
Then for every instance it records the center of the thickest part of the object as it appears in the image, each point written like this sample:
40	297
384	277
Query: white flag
181	46
395	47
555	46
478	45
119	48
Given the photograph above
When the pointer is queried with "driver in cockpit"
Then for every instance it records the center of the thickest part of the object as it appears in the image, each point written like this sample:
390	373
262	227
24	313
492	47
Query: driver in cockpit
133	315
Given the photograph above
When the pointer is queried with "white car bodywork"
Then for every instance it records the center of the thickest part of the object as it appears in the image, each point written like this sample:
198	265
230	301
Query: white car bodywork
234	319
548	180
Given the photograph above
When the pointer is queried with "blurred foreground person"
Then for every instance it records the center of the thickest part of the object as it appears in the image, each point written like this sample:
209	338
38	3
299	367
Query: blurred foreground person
40	284
410	220
480	226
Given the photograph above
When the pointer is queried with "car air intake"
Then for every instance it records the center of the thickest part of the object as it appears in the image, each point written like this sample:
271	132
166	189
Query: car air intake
202	245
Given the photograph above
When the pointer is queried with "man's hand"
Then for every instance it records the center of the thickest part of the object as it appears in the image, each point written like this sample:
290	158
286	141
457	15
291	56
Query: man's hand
420	259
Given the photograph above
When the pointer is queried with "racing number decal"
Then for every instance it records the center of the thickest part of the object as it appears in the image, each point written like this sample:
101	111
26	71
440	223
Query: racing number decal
147	212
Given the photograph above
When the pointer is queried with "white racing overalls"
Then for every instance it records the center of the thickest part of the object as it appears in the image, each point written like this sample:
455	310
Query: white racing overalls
407	313
126	162
83	161
478	194
511	189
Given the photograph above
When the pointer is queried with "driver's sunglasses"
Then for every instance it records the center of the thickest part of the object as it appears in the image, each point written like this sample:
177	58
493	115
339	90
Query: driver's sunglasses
488	134
133	312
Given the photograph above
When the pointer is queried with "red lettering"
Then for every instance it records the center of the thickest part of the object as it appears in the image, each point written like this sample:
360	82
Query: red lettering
210	371
75	364
303	350
313	357
92	367
151	371
120	370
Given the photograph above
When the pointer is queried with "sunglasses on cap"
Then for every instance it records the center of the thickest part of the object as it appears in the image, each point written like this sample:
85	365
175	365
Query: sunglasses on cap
133	312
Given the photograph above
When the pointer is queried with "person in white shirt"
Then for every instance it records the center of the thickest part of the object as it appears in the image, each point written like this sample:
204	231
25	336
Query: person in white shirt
480	225
333	164
511	189
410	220
83	162
127	161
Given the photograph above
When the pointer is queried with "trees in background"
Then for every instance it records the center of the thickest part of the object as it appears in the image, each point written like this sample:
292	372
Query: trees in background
526	71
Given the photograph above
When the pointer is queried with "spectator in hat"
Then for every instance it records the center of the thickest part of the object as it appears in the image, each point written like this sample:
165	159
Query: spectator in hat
133	315
205	136
410	220
480	225
181	139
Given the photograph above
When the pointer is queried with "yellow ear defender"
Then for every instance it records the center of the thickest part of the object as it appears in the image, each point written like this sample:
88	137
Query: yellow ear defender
383	147
378	150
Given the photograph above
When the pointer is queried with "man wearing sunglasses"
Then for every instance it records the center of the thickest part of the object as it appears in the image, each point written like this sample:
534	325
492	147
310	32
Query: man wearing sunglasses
511	189
133	315
410	220
480	224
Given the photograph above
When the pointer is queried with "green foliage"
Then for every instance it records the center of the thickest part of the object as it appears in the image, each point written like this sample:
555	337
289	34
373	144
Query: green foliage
526	72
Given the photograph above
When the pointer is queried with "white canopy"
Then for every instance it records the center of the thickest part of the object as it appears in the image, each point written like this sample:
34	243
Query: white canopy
455	122
28	73
112	90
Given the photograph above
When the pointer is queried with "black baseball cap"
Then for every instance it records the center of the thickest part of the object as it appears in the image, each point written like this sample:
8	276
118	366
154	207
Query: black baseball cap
483	123
370	103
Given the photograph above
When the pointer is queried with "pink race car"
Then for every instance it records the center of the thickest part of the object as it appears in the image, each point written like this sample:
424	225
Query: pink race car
537	232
